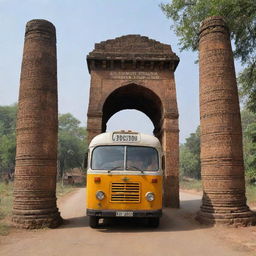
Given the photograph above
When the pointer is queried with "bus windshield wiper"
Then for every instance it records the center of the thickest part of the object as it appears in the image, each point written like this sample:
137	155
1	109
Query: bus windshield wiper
114	168
135	167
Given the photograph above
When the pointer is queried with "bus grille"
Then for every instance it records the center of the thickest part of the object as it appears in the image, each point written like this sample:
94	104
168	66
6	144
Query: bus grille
125	192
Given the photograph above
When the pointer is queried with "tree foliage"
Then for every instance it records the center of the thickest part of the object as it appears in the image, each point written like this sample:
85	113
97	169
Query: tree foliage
247	86
7	137
249	144
190	150
72	145
190	156
241	19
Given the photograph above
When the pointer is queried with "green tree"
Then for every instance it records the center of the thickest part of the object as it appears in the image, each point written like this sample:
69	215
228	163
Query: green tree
247	118
71	140
72	145
190	156
247	86
7	137
249	144
193	142
8	119
241	19
190	150
188	163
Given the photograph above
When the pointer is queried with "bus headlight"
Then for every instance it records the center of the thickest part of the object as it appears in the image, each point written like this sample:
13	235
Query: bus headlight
150	196
100	195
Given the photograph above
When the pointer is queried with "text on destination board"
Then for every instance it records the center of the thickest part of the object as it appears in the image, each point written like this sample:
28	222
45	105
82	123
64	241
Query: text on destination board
125	137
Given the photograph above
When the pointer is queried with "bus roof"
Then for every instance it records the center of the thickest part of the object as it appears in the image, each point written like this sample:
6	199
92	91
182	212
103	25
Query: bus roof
125	138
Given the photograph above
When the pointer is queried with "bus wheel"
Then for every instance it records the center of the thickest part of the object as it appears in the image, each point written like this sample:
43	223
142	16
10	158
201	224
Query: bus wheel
93	221
153	222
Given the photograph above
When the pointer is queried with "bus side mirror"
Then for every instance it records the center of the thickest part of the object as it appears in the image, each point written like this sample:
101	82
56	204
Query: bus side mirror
163	163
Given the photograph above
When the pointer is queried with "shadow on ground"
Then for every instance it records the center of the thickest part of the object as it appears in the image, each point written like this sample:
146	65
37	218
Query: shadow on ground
182	219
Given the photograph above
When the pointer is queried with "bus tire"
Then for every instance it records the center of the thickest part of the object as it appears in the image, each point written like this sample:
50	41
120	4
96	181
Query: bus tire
93	221
153	222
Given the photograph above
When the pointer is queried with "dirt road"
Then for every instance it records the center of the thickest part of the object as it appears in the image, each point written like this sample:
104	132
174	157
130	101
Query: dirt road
179	234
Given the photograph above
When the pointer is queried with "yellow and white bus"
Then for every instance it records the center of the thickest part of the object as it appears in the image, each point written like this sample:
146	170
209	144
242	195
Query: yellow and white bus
124	177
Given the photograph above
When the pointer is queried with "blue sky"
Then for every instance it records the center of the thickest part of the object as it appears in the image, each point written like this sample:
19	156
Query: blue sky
79	25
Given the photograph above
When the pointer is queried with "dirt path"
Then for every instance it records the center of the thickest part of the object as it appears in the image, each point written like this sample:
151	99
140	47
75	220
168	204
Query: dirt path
178	234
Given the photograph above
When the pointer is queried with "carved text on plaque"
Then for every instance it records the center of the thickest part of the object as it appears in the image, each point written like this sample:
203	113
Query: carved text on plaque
140	75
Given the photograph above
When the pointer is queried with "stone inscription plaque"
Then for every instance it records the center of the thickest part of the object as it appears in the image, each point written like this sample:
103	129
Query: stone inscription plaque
140	75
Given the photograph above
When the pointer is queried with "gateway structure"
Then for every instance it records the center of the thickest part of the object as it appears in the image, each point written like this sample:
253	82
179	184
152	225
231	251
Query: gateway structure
135	72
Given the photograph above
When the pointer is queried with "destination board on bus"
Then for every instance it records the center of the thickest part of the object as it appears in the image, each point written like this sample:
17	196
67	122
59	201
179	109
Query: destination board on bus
125	137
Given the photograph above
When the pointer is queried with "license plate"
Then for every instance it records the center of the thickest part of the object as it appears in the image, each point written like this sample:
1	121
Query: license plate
124	214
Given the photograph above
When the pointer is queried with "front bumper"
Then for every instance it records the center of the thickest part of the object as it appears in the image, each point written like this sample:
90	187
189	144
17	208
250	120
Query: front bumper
113	213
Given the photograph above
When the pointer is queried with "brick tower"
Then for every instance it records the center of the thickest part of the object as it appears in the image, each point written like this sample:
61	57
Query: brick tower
222	165
37	126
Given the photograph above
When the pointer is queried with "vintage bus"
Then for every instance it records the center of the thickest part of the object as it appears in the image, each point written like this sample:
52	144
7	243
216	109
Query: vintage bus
124	177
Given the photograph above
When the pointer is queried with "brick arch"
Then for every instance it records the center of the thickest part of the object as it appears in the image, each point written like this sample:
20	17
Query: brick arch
135	72
133	96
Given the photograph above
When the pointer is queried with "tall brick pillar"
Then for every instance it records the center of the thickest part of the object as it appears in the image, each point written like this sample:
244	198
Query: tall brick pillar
224	200
37	126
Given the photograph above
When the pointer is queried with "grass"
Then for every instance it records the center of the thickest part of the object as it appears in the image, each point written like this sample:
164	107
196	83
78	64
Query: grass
190	184
196	185
251	194
6	201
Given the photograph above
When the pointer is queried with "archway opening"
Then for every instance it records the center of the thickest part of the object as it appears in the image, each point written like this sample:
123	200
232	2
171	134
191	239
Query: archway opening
133	120
136	97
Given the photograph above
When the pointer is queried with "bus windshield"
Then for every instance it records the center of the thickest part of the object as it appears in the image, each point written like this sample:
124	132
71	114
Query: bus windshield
134	158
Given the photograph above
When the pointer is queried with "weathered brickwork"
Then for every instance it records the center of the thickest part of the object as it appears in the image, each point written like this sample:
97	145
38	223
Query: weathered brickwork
135	72
222	166
37	125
